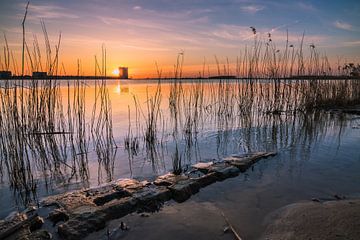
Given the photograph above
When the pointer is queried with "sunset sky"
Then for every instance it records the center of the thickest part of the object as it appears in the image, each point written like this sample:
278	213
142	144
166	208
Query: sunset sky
138	33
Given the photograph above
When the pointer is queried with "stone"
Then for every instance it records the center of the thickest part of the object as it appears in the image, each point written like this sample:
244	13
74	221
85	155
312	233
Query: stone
14	226
151	199
169	179
36	223
182	190
206	179
203	166
86	211
98	190
224	171
81	225
241	165
244	161
130	185
118	208
58	215
109	196
69	201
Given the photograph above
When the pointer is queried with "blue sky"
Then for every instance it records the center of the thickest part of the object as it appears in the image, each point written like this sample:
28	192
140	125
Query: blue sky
137	33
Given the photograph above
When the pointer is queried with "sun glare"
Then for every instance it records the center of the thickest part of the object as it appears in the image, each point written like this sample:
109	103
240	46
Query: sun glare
116	72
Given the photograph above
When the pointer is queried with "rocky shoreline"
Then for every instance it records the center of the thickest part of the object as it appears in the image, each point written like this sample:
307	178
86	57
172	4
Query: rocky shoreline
74	215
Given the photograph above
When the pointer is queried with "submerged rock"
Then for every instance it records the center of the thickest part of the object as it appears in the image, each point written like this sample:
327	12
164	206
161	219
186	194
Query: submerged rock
206	179
151	199
13	226
36	223
118	208
81	225
244	161
224	170
182	190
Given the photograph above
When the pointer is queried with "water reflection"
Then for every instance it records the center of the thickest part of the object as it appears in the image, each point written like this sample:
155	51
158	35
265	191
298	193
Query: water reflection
158	128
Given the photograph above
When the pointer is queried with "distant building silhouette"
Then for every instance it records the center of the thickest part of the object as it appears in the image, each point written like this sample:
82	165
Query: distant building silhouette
123	72
39	74
5	74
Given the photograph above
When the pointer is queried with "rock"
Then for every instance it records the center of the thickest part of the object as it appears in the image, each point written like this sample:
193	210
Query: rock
58	215
151	199
15	217
244	161
70	201
149	194
81	225
124	226
118	208
16	226
36	223
119	232
169	179
203	166
40	235
21	234
98	190
206	180
224	171
109	196
30	209
241	165
131	185
182	190
338	197
83	209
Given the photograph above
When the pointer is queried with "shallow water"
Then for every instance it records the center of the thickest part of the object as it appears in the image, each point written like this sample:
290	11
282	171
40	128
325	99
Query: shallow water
329	167
319	153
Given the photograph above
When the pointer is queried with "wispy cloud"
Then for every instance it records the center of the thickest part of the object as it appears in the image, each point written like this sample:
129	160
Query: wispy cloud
352	43
137	8
231	32
241	34
306	6
343	25
49	11
141	23
252	9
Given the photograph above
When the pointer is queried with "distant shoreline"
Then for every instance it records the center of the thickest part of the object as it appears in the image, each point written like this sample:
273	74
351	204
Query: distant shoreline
302	77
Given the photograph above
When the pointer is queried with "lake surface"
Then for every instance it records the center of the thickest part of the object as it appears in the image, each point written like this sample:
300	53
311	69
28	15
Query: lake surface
156	127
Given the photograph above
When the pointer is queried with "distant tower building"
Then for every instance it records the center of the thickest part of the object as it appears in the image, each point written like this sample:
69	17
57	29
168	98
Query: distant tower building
123	72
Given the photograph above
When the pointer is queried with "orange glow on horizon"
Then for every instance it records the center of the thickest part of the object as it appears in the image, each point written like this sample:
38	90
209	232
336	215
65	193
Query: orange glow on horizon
115	72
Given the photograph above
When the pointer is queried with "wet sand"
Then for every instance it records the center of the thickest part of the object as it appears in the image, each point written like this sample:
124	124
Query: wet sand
313	220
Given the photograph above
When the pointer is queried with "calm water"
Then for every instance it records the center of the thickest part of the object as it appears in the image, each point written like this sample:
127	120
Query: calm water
319	153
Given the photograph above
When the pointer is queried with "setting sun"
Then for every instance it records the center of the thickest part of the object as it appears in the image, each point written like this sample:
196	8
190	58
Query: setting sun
115	72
